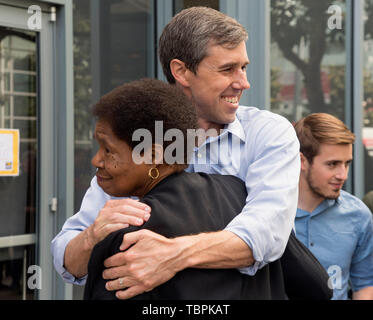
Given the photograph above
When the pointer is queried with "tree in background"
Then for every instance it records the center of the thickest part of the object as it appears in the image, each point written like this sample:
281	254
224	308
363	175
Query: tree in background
306	21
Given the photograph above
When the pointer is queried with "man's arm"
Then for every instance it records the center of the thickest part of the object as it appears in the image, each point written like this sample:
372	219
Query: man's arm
363	294
361	271
255	237
98	216
146	270
272	159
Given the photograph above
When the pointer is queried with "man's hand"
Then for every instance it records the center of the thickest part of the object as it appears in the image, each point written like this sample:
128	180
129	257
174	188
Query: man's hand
152	261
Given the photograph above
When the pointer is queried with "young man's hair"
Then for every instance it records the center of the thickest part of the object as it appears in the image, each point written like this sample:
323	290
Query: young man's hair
321	128
139	104
189	34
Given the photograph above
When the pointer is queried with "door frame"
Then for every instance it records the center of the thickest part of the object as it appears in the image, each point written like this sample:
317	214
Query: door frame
56	130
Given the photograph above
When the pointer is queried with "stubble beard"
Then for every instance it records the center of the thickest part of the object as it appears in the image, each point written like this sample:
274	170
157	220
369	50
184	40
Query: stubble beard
316	190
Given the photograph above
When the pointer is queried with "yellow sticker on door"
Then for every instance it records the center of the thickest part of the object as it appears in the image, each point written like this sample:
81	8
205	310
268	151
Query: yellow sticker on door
9	152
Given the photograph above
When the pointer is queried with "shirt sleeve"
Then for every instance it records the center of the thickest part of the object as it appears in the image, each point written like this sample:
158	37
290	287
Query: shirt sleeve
94	199
272	181
361	272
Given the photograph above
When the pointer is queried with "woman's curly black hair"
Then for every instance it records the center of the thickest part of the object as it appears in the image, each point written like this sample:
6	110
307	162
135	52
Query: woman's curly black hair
139	104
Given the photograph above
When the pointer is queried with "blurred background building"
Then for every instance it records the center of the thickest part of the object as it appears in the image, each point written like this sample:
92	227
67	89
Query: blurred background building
306	56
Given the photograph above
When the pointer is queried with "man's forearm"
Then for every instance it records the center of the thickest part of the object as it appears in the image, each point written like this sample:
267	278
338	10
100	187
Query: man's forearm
216	250
363	294
77	254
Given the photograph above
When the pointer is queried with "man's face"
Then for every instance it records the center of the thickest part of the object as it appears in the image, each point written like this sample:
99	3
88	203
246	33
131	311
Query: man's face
218	84
329	170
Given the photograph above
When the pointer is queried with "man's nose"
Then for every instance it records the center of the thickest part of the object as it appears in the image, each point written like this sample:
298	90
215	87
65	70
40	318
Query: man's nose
342	172
240	82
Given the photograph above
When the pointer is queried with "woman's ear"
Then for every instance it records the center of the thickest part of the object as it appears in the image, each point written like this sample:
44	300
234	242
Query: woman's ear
157	154
180	72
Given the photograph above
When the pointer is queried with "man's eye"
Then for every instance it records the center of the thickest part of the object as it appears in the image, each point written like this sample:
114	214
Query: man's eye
331	164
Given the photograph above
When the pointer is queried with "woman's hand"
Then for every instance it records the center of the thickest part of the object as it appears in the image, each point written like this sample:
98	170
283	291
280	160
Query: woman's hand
116	215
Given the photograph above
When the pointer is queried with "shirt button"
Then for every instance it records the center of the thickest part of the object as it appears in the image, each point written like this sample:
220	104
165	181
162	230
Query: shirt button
312	244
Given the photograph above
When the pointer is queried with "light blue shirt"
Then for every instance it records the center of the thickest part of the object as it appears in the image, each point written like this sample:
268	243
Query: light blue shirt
340	235
259	147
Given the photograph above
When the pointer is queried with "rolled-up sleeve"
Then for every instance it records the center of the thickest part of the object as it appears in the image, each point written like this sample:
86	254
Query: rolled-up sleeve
361	273
271	154
93	201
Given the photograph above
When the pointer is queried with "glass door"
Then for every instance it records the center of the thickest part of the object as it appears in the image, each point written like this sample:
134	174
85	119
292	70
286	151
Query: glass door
18	194
26	105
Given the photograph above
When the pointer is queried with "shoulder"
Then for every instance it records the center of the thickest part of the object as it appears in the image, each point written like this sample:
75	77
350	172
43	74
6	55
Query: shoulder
263	122
354	207
253	115
192	189
196	183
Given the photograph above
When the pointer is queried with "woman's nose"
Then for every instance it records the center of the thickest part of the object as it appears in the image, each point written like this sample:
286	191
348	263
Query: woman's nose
97	160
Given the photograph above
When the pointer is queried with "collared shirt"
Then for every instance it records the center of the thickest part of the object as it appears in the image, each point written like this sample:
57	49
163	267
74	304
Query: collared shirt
259	147
340	234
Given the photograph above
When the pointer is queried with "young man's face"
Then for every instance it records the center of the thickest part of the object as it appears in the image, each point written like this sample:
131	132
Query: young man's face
217	86
329	170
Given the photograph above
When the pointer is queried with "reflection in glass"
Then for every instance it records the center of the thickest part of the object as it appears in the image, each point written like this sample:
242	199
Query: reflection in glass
183	4
122	49
308	59
24	82
24	106
368	95
18	194
114	42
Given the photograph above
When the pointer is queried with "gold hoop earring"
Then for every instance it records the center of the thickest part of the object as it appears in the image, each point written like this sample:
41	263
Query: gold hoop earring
153	176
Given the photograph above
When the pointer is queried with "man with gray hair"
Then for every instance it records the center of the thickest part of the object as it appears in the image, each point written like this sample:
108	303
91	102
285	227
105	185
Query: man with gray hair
204	53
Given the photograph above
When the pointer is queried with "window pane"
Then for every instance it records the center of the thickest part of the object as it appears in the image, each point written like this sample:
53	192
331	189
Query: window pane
25	106
183	4
6	76
308	59
27	128
114	42
24	83
368	95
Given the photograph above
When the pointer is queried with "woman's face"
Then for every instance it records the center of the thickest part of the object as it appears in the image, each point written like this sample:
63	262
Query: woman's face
117	174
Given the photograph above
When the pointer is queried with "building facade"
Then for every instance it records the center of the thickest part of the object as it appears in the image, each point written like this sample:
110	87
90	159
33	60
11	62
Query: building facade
58	57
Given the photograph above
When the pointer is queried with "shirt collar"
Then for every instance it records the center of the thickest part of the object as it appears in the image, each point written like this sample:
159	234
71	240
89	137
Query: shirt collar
326	204
236	129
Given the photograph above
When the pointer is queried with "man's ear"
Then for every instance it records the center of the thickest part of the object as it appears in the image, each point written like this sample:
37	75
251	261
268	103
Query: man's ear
180	72
304	164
